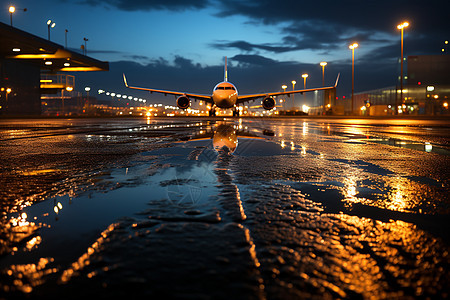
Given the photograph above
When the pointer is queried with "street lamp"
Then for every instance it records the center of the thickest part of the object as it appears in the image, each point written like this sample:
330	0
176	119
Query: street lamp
323	64
12	10
284	87
50	24
401	27
304	80
304	85
293	95
353	47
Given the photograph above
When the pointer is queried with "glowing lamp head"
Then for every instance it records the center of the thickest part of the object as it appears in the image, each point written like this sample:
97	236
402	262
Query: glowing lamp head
305	76
353	46
323	63
12	9
403	25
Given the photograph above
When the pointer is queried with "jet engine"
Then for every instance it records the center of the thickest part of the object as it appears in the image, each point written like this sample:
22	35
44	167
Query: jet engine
183	102
268	103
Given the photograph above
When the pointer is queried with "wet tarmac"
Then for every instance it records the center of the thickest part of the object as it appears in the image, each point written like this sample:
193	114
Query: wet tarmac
224	208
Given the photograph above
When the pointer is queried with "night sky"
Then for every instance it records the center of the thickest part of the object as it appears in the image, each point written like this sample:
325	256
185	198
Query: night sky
180	44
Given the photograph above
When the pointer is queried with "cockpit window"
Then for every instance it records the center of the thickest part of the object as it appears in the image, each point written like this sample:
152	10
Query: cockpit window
225	88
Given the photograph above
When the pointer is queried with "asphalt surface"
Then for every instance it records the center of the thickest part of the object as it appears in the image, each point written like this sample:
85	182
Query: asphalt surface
224	208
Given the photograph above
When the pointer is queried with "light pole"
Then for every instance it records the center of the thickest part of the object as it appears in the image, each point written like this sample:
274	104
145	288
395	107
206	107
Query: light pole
284	87
323	64
65	36
304	86
401	27
85	45
293	95
12	9
87	89
304	80
50	24
353	47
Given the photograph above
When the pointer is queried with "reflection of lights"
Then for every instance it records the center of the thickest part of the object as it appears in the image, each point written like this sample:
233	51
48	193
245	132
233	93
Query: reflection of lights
303	152
84	260
398	198
283	144
20	221
58	206
28	276
33	243
428	147
305	128
350	188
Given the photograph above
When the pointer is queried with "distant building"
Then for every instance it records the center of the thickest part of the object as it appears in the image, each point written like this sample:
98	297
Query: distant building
31	66
426	90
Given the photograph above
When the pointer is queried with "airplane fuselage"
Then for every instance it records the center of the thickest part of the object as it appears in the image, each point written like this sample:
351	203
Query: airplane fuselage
225	95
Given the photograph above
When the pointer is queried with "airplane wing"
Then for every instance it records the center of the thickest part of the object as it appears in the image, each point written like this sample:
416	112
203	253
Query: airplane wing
206	98
245	98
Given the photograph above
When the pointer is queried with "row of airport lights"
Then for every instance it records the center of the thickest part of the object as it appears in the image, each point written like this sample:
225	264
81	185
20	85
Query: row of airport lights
118	96
352	47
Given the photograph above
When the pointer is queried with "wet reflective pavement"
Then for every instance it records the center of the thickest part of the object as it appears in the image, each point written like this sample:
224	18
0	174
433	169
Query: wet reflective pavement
224	209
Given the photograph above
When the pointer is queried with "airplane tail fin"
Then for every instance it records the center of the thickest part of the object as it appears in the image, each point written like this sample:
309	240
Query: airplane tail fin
125	80
225	78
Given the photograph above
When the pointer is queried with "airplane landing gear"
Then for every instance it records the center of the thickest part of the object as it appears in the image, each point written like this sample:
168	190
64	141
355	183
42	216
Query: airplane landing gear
236	112
212	112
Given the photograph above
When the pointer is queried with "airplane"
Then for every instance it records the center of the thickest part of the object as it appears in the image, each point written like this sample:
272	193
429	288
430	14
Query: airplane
225	95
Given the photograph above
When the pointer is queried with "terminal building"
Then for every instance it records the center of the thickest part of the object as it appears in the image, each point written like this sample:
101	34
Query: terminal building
426	90
31	66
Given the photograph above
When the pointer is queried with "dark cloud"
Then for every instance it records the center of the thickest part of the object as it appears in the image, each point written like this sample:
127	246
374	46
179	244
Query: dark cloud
249	47
381	15
330	24
253	60
134	5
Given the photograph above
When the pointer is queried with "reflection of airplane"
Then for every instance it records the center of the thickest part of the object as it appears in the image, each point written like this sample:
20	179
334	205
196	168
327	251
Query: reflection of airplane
225	137
225	95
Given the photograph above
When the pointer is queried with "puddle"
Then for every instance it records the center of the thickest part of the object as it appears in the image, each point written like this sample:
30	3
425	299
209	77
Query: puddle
173	184
426	147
